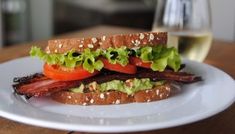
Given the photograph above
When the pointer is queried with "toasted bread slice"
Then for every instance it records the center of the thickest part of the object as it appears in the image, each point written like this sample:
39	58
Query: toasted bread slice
104	42
113	97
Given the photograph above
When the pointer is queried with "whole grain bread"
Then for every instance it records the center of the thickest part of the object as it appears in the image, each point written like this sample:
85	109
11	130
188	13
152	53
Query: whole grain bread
113	97
104	42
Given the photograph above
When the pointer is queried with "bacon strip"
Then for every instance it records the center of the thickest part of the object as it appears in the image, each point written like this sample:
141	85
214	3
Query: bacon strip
182	77
43	87
40	85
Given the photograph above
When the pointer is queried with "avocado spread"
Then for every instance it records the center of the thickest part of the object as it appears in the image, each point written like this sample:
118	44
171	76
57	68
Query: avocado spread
129	86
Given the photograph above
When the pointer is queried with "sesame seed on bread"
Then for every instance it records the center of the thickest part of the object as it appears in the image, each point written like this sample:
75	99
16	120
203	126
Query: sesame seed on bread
104	42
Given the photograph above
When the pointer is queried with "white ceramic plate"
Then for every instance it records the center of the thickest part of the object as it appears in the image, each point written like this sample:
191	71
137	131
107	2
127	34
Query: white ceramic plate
195	102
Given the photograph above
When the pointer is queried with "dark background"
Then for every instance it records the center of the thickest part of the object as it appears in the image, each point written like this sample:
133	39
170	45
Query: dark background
71	15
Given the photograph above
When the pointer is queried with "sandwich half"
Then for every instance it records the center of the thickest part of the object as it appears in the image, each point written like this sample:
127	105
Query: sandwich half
106	70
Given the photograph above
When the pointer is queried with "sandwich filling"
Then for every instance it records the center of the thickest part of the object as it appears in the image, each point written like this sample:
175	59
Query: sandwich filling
158	57
72	65
114	69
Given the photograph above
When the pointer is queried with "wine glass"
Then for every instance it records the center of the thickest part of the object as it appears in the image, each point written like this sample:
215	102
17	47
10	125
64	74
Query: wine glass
188	23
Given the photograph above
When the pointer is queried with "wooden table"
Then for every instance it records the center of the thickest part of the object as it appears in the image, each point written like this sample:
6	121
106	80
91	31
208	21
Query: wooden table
221	55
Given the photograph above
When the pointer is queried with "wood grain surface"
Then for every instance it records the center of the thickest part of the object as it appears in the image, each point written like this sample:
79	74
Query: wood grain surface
221	55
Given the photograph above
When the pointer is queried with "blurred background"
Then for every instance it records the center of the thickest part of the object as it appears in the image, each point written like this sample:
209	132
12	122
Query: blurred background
29	20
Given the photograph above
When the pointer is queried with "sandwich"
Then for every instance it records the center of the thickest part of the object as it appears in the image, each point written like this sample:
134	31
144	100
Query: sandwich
106	70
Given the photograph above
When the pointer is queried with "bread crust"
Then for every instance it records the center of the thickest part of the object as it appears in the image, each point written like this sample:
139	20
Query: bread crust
104	42
113	97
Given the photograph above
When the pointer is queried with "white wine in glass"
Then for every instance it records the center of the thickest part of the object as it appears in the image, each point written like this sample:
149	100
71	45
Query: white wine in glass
188	23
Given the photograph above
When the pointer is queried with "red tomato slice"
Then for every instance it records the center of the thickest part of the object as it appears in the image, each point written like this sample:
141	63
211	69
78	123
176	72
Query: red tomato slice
138	62
66	74
128	69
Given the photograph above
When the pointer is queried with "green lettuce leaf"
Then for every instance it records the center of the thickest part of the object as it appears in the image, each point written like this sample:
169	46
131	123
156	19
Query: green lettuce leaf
161	57
90	63
117	55
71	59
146	53
49	58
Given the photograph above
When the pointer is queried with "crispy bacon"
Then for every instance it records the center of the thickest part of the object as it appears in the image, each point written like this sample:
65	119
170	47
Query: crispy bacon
182	77
43	87
40	85
30	79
